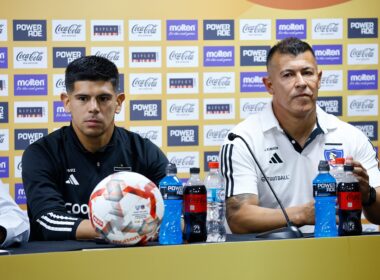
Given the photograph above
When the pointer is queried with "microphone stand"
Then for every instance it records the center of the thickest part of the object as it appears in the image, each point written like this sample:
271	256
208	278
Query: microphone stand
290	231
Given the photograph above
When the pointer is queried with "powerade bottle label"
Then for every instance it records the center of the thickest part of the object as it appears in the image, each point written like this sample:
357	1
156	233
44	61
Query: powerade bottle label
324	189
171	191
195	203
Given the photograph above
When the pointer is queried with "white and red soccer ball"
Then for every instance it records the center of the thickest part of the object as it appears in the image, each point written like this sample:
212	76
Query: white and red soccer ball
126	208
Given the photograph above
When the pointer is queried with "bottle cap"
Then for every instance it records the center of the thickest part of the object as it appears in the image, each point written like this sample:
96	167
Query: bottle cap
194	170
323	166
348	167
171	168
213	164
339	161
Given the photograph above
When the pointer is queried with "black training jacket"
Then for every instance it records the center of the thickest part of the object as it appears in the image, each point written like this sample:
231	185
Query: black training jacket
59	176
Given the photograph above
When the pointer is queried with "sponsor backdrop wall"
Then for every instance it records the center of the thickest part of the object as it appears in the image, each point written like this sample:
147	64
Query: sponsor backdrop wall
191	70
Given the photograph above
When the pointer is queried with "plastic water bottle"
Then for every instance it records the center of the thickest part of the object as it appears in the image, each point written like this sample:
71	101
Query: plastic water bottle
171	190
350	204
324	188
216	231
195	208
337	169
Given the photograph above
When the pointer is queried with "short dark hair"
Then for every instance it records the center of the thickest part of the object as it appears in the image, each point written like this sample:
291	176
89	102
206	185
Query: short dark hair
91	68
291	45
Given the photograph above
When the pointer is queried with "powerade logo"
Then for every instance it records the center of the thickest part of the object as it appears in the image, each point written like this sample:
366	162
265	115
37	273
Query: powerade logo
331	104
184	30
362	28
3	112
183	136
4	167
368	128
3	58
26	85
20	196
144	110
29	30
291	28
252	81
210	157
60	115
253	55
63	56
218	56
328	54
218	30
362	79
25	137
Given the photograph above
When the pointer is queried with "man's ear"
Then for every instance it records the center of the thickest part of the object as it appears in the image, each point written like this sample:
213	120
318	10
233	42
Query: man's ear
319	79
65	100
268	85
119	99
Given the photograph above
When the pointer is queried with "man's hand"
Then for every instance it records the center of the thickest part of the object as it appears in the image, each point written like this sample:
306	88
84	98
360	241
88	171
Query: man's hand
361	174
86	231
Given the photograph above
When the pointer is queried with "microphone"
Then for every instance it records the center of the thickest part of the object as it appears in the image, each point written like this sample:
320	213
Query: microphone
290	231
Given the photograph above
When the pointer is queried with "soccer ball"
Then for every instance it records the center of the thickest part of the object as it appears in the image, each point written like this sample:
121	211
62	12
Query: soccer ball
126	208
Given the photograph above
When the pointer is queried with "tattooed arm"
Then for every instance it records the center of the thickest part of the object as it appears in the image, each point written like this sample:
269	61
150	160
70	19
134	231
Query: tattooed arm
245	216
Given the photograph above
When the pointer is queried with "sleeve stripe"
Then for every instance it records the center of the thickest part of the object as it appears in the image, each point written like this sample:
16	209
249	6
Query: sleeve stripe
227	169
51	221
67	229
60	217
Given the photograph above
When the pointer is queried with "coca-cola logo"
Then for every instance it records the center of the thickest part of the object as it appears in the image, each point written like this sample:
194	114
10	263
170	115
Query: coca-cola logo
185	108
182	56
326	28
150	134
60	83
1	28
258	107
365	104
29	57
363	53
185	161
216	134
219	82
330	79
255	29
112	55
19	166
145	83
144	29
72	29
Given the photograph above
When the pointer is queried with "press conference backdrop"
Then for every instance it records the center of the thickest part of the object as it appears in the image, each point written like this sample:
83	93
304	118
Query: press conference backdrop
191	70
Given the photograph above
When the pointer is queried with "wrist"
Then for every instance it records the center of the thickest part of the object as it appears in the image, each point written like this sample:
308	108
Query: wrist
370	198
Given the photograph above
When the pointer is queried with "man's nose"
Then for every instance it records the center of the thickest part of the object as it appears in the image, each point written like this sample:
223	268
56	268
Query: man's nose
300	80
94	106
